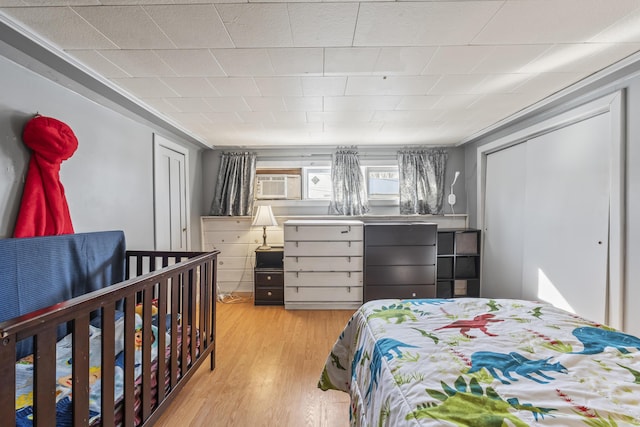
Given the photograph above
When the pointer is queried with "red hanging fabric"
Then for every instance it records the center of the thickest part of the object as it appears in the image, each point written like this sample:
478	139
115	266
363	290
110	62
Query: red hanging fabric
44	210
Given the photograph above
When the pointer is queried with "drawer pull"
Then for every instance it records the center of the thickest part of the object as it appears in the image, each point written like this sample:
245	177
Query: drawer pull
269	293
268	277
413	294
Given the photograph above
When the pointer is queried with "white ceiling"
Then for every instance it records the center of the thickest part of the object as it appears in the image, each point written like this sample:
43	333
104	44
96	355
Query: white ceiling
271	73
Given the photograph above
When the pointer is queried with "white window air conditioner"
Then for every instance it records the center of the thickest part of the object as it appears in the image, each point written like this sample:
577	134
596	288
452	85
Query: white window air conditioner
278	187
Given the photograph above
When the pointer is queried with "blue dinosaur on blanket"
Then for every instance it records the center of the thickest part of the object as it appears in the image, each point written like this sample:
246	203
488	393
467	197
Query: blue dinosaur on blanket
513	362
383	348
595	340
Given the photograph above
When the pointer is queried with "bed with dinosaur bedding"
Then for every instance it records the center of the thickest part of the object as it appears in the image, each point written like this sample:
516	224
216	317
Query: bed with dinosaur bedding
482	362
94	334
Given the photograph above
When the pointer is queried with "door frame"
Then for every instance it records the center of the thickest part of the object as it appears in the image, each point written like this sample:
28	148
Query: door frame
614	105
161	142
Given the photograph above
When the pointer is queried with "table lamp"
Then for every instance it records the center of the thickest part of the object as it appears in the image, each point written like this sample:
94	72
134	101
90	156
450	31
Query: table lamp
264	217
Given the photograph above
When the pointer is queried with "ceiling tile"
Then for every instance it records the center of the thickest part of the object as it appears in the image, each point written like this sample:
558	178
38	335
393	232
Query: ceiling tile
297	61
224	104
342	116
223	118
244	62
584	57
257	25
457	84
509	59
191	86
256	117
289	116
189	105
455	102
262	103
625	30
161	105
191	26
457	59
235	86
552	21
403	60
417	102
322	24
76	33
145	87
360	103
350	60
138	63
98	63
545	84
402	116
327	86
394	85
128	27
299	103
191	62
422	23
279	86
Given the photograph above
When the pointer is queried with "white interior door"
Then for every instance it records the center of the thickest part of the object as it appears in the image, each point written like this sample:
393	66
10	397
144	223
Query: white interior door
567	218
171	207
503	230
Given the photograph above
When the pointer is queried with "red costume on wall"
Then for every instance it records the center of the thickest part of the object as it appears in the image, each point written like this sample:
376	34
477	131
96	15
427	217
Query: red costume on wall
44	210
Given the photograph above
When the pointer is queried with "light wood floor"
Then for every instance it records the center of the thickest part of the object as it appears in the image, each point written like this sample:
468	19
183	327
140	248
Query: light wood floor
268	362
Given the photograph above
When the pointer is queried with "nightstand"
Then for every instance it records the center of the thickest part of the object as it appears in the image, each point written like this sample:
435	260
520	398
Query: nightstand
268	276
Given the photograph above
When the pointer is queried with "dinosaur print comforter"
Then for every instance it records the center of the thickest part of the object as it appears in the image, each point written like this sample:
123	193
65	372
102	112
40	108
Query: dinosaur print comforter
480	362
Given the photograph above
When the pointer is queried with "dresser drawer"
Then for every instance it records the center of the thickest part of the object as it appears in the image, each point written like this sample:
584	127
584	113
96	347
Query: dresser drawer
400	275
323	279
400	255
327	263
404	292
401	234
324	294
342	248
269	277
322	232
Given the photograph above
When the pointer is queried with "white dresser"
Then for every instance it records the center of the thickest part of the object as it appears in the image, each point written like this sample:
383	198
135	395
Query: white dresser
323	264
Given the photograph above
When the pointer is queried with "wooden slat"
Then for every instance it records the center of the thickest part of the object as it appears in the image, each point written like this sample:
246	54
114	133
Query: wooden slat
162	329
8	375
185	321
213	297
44	376
108	364
129	360
80	371
193	314
175	289
147	337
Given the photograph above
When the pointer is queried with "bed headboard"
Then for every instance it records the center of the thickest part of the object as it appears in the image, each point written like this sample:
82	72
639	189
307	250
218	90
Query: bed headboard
38	272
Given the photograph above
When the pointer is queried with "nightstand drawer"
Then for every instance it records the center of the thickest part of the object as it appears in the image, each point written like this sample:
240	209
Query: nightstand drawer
269	296
268	278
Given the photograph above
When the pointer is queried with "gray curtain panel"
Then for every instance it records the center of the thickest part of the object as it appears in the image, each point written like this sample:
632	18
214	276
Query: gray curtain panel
234	188
349	191
421	175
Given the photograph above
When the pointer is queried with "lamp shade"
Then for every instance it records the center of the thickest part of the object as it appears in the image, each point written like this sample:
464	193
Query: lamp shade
264	217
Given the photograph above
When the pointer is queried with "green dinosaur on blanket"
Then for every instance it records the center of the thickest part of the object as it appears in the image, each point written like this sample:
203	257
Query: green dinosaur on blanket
467	405
395	311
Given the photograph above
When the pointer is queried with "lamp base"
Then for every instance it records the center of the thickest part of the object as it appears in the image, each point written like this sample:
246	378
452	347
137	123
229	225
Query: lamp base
264	248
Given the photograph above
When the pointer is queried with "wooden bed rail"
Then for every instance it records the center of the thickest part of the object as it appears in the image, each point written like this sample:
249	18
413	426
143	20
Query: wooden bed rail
174	291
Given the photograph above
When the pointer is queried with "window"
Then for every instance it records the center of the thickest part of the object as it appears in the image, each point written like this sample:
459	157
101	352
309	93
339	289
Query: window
382	182
317	183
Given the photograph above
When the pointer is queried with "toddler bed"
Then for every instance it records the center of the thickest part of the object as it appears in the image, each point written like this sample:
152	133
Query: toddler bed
127	330
481	362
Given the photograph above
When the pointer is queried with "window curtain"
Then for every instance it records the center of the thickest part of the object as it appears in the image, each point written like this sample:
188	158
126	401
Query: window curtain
349	195
421	176
234	188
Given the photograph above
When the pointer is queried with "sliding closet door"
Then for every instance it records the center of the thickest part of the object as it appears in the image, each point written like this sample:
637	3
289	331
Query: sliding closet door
567	217
504	223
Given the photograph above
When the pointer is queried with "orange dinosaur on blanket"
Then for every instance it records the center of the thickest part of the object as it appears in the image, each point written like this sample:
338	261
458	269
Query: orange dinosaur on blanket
479	322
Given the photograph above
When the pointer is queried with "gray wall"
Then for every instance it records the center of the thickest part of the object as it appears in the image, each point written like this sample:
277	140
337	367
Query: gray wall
455	162
109	179
626	79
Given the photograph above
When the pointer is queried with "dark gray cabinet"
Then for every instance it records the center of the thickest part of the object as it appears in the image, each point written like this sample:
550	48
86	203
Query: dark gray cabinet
399	260
269	277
